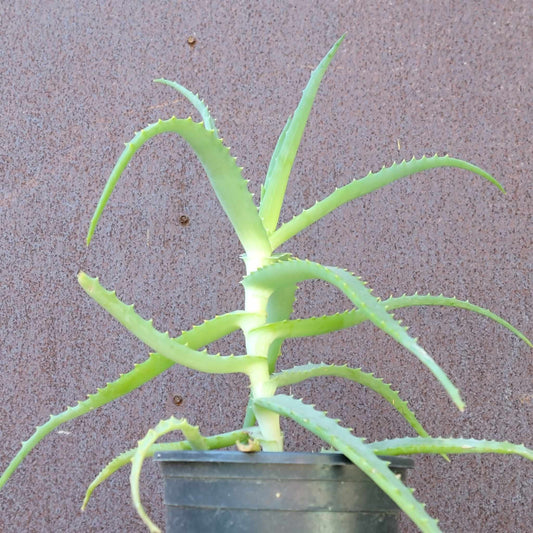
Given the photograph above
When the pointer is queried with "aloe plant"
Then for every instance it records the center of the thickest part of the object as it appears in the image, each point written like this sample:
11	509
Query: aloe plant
269	285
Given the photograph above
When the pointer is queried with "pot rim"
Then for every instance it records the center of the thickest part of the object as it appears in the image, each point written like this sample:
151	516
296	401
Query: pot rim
234	456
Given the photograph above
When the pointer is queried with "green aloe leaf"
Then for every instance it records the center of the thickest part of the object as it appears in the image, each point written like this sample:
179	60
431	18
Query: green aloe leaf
293	271
279	308
412	445
213	442
142	373
301	373
305	327
223	173
192	434
274	160
356	450
372	182
161	342
196	101
273	190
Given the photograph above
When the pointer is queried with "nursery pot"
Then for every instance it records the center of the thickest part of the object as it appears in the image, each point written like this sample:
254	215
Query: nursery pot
222	491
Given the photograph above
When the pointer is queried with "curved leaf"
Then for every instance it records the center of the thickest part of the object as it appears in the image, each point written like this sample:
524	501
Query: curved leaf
194	99
301	373
356	450
305	327
214	442
279	308
370	183
143	450
446	301
161	342
292	271
223	173
155	365
412	445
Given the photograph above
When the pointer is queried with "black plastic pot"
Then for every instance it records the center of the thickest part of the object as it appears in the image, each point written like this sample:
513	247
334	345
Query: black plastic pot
224	491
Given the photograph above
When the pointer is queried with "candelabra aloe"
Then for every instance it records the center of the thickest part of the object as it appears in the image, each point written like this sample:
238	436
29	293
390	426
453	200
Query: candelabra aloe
270	284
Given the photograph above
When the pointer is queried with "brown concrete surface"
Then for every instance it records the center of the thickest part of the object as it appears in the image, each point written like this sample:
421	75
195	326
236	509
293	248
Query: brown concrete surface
411	78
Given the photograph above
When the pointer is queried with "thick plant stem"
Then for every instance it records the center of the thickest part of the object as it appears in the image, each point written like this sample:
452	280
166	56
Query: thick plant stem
268	421
256	301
